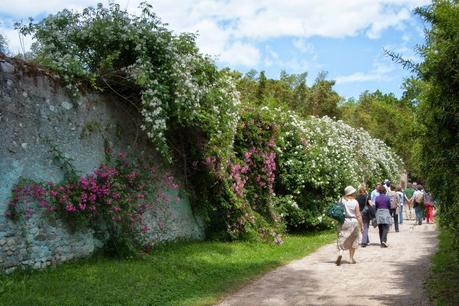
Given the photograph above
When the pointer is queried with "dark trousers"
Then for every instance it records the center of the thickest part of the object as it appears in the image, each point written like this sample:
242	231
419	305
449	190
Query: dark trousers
383	230
418	210
366	225
394	214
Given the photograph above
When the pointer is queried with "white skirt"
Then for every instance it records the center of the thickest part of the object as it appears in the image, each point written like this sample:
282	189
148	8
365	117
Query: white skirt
348	234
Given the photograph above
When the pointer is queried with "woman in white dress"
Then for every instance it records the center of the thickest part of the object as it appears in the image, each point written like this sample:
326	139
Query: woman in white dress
349	232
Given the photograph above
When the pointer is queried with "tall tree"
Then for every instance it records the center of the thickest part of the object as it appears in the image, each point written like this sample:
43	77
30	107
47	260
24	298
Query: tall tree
322	99
389	119
439	107
261	87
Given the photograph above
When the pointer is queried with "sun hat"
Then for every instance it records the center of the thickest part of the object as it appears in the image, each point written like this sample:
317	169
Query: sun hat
349	190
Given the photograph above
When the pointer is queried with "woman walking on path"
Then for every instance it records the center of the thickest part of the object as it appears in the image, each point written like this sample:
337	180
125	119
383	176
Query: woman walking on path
394	206
418	204
365	211
349	231
383	216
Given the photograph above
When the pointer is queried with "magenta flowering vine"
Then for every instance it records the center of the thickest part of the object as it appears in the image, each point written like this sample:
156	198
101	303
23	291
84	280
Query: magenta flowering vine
119	192
257	163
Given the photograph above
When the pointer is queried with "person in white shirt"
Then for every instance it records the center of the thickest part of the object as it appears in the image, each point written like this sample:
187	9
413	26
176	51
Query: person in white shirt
374	194
401	199
349	231
418	204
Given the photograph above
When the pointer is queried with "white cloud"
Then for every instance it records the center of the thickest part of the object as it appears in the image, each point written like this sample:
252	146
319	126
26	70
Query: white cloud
240	54
254	19
381	72
386	21
303	46
211	38
32	8
222	25
16	43
270	56
290	64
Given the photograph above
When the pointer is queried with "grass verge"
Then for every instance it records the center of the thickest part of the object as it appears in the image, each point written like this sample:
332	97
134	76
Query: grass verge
185	273
443	283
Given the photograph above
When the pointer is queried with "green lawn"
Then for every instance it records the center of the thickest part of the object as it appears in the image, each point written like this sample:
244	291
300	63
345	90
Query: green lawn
443	283
192	273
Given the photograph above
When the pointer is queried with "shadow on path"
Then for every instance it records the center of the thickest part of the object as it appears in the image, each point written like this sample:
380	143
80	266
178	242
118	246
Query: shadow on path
382	276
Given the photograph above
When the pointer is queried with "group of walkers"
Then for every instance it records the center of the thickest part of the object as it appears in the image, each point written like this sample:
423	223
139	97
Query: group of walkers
383	207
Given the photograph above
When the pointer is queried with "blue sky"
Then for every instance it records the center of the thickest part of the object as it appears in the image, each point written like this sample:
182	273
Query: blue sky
345	38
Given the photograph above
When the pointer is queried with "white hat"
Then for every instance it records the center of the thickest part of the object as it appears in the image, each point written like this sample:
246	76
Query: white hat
349	190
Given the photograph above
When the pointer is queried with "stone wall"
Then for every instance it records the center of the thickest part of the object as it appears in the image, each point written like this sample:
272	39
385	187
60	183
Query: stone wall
34	107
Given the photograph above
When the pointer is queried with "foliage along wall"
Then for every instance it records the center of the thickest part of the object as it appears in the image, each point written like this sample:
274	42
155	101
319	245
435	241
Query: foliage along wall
45	136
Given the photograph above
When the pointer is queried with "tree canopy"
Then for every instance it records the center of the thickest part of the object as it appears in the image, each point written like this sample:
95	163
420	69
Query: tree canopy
438	75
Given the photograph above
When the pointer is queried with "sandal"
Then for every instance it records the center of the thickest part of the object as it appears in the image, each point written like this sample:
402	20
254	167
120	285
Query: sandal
338	260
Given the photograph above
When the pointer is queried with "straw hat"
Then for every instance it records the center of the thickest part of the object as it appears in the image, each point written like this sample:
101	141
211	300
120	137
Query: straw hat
349	190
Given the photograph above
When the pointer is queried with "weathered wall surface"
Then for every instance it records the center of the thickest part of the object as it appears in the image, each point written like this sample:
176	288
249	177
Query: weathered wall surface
33	108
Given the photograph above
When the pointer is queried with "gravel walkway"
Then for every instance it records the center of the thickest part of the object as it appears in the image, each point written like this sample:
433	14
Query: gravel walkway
382	276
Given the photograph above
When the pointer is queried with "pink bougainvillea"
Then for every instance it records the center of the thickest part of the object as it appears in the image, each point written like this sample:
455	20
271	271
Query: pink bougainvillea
259	164
119	192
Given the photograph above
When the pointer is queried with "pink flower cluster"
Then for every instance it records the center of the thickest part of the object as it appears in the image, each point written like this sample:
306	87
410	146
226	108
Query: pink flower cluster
26	193
236	172
114	191
269	168
264	177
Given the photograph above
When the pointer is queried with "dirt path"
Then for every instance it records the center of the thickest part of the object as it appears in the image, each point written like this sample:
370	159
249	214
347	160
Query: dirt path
391	276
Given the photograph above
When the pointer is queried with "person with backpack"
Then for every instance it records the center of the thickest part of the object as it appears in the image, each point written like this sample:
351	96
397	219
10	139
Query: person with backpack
383	216
366	211
418	204
349	231
394	206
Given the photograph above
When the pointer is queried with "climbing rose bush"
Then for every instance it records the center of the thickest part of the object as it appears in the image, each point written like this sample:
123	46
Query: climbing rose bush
137	55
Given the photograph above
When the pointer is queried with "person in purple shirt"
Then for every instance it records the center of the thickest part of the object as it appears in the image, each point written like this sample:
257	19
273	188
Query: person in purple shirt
383	217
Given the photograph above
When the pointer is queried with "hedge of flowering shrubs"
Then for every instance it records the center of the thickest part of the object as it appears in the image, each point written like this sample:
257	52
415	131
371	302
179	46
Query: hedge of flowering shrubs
249	173
314	160
113	199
